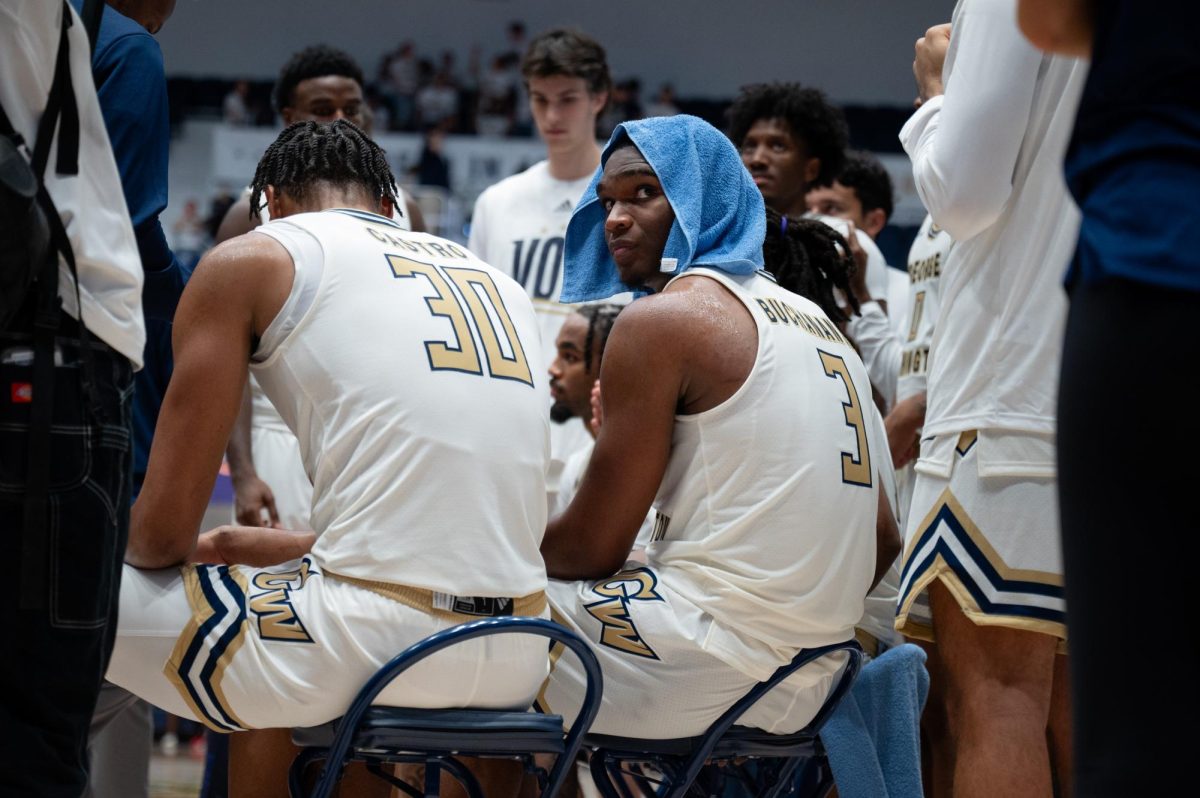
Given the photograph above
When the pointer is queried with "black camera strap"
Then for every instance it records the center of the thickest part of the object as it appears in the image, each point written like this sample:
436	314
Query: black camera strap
61	113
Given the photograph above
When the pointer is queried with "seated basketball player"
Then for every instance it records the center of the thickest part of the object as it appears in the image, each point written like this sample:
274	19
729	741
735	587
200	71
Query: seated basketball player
736	408
402	364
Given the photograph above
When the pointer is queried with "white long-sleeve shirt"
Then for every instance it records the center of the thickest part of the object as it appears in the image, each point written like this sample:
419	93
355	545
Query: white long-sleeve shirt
90	204
987	161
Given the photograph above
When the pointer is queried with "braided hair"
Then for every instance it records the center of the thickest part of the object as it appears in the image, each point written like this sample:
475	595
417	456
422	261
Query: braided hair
337	154
600	318
810	258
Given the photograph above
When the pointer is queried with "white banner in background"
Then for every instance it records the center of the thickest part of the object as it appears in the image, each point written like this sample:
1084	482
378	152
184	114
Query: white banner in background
477	162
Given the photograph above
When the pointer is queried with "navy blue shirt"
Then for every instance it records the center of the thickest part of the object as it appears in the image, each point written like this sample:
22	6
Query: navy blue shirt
128	67
1133	165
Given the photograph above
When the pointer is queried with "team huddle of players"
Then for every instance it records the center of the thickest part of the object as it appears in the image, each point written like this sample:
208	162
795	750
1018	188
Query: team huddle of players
698	476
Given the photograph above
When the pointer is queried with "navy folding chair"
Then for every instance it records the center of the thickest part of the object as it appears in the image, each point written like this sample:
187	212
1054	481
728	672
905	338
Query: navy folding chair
379	735
753	762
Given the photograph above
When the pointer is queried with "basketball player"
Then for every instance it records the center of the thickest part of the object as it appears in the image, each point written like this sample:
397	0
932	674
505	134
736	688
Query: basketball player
574	372
574	386
321	84
792	140
736	408
518	224
402	364
983	535
926	258
862	193
809	258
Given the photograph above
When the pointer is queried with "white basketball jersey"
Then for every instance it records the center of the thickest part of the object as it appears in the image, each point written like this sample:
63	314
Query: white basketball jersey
925	260
404	365
767	508
262	412
518	226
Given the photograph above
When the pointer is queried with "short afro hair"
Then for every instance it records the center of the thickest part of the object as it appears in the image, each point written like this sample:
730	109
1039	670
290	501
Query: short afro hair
870	180
807	113
313	62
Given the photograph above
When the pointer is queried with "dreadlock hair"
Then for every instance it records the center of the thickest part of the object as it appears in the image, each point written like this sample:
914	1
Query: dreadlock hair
810	258
337	154
811	118
316	61
600	318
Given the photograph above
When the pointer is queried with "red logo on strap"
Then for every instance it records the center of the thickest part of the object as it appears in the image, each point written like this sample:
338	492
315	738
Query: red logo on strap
22	393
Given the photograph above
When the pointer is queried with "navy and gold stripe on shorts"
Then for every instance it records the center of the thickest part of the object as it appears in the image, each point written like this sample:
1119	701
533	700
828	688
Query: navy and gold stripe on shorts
950	547
217	596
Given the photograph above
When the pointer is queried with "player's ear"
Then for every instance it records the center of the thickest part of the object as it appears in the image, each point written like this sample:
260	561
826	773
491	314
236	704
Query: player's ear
874	221
812	168
599	100
274	202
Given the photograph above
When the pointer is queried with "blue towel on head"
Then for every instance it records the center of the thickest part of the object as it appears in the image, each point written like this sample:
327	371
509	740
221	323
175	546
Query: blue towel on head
720	219
873	739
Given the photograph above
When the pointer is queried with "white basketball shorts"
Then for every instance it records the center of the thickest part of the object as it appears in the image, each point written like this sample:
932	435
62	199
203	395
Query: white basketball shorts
240	648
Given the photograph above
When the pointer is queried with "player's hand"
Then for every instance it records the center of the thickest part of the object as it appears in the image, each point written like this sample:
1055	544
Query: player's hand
903	427
858	280
251	545
251	497
597	414
930	58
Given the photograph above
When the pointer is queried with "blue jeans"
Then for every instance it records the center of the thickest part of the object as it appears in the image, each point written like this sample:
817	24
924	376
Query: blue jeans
54	658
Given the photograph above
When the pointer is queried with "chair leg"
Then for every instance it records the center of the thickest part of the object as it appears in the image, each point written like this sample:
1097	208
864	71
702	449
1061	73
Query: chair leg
784	778
433	778
460	772
296	772
331	774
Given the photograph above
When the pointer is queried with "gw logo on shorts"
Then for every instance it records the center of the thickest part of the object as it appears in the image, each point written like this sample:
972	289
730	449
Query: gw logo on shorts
271	603
612	611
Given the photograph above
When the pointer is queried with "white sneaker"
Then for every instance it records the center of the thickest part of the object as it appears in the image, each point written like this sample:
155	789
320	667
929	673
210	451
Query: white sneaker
169	744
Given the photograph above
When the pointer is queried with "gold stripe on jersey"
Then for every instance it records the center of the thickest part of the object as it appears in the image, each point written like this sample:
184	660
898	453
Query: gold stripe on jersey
423	600
554	308
966	441
556	652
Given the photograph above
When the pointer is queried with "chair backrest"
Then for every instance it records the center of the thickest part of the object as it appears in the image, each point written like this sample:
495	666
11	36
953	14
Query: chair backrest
722	725
470	631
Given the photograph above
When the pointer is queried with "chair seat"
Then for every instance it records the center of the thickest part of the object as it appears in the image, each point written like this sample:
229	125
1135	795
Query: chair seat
738	741
479	731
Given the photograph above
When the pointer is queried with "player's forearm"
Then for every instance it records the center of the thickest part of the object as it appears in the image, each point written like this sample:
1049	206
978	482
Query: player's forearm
154	543
887	539
239	452
964	144
571	554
